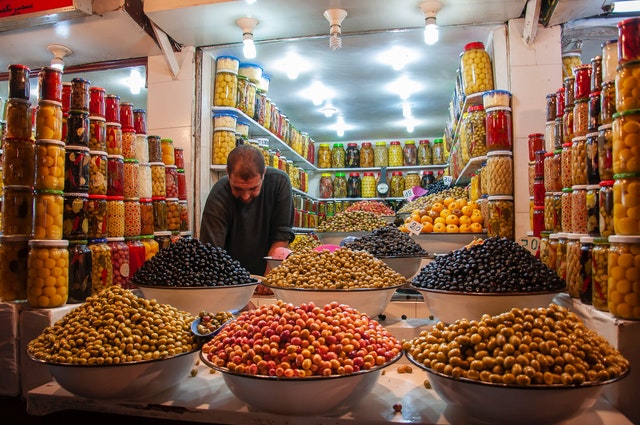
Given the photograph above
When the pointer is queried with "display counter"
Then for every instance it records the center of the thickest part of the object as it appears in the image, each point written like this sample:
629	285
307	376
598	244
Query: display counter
206	398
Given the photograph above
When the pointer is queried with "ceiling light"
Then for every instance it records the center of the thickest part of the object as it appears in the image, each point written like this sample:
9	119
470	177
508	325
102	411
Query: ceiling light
626	6
398	57
135	81
410	124
328	111
250	1
318	93
247	25
294	64
340	125
406	109
430	8
404	87
335	18
59	52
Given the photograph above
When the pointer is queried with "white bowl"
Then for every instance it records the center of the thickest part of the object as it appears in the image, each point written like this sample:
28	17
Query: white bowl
370	301
508	404
444	243
198	298
449	306
124	380
308	396
390	219
406	266
273	262
334	238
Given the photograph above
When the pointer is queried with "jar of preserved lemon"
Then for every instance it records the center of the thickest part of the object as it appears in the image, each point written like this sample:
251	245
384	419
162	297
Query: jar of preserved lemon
477	72
626	132
626	195
368	185
47	214
49	165
226	81
324	156
381	155
599	273
13	267
48	258
623	292
168	152
49	120
395	154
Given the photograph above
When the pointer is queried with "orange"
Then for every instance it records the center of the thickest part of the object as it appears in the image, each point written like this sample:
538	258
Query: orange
464	219
439	228
447	201
477	217
476	227
427	228
465	228
415	216
403	228
452	206
452	228
474	205
445	212
452	219
461	202
441	220
426	219
467	210
437	207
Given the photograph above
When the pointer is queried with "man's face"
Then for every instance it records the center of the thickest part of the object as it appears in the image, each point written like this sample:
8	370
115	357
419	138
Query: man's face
245	190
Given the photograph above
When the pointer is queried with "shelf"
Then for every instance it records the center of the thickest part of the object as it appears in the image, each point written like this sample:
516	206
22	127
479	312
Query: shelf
360	199
304	229
471	100
472	166
404	168
256	130
300	192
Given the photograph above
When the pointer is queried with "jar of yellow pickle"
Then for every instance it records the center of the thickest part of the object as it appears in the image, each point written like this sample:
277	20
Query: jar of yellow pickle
626	196
368	185
570	60
338	156
381	155
168	152
623	292
226	81
501	216
48	258
151	246
397	184
599	273
324	156
477	72
224	140
411	180
626	132
47	214
367	155
101	268
395	154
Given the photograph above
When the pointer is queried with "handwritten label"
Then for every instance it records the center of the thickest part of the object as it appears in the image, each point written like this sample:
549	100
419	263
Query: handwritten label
29	7
414	227
531	243
447	180
407	193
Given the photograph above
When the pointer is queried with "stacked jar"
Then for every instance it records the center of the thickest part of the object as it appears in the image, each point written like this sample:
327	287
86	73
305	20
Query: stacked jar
224	137
570	60
476	69
226	81
549	127
477	132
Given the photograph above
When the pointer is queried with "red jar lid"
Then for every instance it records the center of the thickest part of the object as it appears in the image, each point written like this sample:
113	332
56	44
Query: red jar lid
474	45
476	108
428	173
606	183
368	174
396	173
395	143
424	142
366	144
352	144
536	135
548	154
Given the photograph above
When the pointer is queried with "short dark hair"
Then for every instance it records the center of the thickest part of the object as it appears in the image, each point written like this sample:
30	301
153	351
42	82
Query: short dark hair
245	162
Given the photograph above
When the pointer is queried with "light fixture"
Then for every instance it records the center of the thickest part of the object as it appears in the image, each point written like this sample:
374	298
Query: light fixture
135	81
430	8
629	6
410	123
404	87
335	18
398	57
406	109
294	65
247	25
318	93
59	52
328	110
340	126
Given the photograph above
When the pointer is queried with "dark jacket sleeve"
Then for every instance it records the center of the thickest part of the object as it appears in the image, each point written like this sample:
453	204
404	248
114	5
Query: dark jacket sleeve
216	215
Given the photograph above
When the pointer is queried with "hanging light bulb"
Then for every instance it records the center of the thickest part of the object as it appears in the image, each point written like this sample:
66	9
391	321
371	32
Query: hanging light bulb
406	109
59	52
340	125
430	8
247	25
335	18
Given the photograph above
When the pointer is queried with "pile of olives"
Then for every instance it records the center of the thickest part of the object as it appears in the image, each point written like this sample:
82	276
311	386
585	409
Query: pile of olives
187	263
352	221
537	346
115	326
495	265
210	322
304	243
387	241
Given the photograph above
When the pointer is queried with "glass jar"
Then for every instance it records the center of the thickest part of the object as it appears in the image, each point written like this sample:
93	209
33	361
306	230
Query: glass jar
142	148
381	155
605	153
593	173
582	82
579	160
130	171
19	85
609	60
623	292
367	155
558	133
97	104
226	81
572	276
119	261
171	181
557	205
538	220
396	185
173	214
579	209
115	175
568	84
395	154
499	128
566	165
136	254
18	162
129	144
628	44
145	181
159	214
599	273
549	136
151	246
607	102
438	152
424	153
182	185
163	238
13	267
549	212
97	173
476	69
49	165
554	247
168	152
115	216
566	222
49	120
153	145
96	213
114	138
48	258
340	186
626	204
352	155
17	210
538	192
605	208
18	116
567	126
561	256
147	225
97	134
241	93
626	132
326	186
544	247
184	216
501	216
594	112
80	94
354	186
593	206
581	117
111	107
158	182
552	181
411	180
585	272
224	140
409	153
132	221
77	159
79	271
427	179
75	219
368	185
101	267
338	156
324	156
550	109
499	173
47	214
255	98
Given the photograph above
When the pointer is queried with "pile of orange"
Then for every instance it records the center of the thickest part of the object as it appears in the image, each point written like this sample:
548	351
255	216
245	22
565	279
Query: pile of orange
449	216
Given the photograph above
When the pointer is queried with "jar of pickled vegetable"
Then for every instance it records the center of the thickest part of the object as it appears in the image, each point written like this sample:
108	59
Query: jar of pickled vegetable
582	82
18	116
79	271
136	253
623	292
544	247
628	45
579	160
49	165
226	81
96	213
47	214
538	220
13	267
159	214
594	112
338	156
477	72
427	179
549	136
438	152
381	155
566	165
119	261
558	133
101	267
151	246
573	265
585	272
171	181
549	212
354	186
567	126
326	186
592	206
340	186
552	182
132	220
184	216
626	190
17	210
411	180
47	258
49	120
224	140
593	173
395	154
163	238
147	226
155	151
168	152
324	156
607	102
396	185
115	216
554	246
97	173
410	153
499	128
561	256
500	216
605	152
131	183
367	155
352	155
557	205
605	208
599	273
254	97
424	153
114	138
115	175
368	185
241	99
19	162
626	131
579	209
581	117
500	173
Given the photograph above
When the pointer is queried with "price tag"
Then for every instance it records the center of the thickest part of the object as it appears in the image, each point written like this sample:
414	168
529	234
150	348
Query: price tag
407	193
413	193
447	180
531	243
414	227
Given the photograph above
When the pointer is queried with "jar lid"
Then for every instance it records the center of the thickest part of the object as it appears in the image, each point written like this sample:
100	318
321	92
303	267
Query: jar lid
606	183
586	239
49	243
428	173
91	196
116	239
595	93
395	142
115	198
548	155
367	144
97	241
368	174
410	142
156	164
158	198
75	195
594	134
171	167
166	140
491	92
98	153
629	64
593	187
116	157
227	57
354	174
49	142
19	188
326	175
563	235
498	108
536	136
77	148
381	143
626	176
499	153
338	145
578	139
474	45
249	65
14	238
135	161
49	192
162	233
604	127
424	142
396	173
623	113
538	208
578	187
554	236
566	145
437	141
352	145
571	54
500	198
146	200
624	239
43	102
476	108
132	238
324	145
78	242
574	236
131	199
97	118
